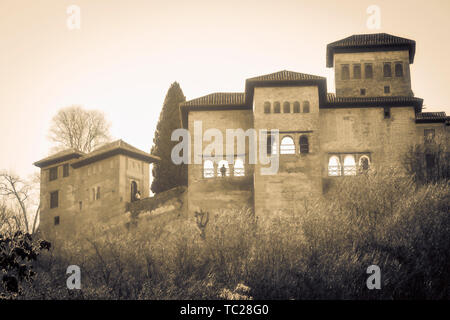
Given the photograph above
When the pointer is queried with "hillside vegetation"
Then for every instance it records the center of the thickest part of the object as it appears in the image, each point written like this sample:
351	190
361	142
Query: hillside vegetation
322	251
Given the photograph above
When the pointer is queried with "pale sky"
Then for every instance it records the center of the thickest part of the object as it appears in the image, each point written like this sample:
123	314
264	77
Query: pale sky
128	52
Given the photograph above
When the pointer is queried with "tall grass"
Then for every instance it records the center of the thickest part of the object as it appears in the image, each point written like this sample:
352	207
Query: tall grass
320	252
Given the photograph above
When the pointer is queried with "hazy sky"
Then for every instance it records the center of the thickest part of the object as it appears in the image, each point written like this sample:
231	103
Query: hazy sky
128	52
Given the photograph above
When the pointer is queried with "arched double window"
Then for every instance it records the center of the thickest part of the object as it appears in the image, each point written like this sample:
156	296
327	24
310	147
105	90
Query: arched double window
287	145
223	169
286	107
334	166
305	106
276	107
296	107
208	169
239	170
304	144
349	165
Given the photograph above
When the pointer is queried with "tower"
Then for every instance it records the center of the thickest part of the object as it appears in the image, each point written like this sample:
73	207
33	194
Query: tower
372	65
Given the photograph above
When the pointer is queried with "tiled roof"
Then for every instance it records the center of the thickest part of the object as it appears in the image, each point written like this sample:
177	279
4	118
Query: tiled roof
113	148
431	117
63	155
285	75
374	40
332	101
331	98
218	98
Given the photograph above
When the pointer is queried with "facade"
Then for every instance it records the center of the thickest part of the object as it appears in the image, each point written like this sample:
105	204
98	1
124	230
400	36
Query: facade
80	189
370	122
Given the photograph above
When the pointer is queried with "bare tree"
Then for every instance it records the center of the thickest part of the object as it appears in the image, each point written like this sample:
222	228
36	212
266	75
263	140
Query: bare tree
17	200
80	129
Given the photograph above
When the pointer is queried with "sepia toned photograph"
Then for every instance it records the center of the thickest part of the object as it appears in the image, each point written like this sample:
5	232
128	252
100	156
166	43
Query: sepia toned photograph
224	155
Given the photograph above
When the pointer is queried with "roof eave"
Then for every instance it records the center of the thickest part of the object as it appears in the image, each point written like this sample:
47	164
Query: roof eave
46	163
332	50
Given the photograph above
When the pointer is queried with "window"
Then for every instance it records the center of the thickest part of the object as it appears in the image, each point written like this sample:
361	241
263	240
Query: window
428	136
239	170
398	69
387	112
98	194
266	107
349	165
81	205
56	220
66	170
387	72
387	89
286	107
134	191
208	169
334	166
276	107
271	145
368	71
345	72
364	164
53	173
305	106
287	146
296	107
54	200
357	71
304	144
222	169
362	91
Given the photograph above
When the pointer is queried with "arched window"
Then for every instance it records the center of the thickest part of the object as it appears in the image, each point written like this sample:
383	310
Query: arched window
387	72
296	107
266	107
287	146
305	106
364	163
276	107
223	169
304	144
239	170
399	69
208	169
334	166
349	165
286	107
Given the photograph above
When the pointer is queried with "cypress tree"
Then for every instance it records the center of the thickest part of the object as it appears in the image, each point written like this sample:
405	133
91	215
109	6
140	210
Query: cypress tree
167	175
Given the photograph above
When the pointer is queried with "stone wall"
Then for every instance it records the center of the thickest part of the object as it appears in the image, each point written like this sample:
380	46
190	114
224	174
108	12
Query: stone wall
299	177
163	206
